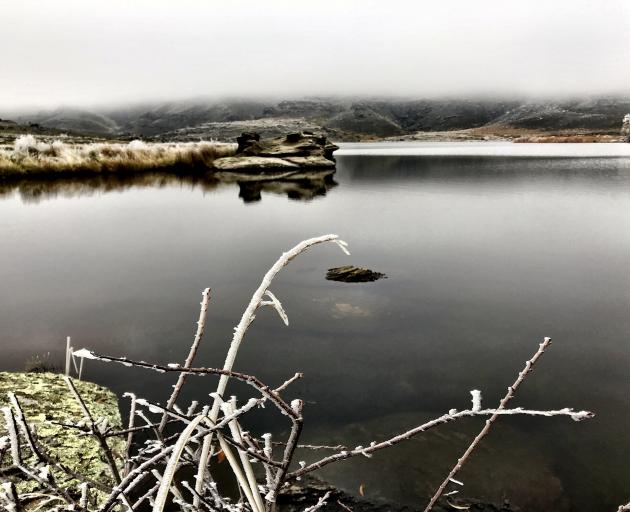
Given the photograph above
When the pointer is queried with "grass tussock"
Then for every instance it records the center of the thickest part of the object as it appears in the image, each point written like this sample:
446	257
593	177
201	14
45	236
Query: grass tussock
30	156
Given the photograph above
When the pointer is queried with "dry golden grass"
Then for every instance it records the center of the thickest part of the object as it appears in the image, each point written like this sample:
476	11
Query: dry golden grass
30	156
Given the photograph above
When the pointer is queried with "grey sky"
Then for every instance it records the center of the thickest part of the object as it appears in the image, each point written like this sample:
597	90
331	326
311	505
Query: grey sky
98	51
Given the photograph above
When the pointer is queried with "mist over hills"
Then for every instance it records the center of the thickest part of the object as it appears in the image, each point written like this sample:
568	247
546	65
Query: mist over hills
341	119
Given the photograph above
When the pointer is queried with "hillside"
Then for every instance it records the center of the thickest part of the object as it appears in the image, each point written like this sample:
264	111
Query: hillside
341	119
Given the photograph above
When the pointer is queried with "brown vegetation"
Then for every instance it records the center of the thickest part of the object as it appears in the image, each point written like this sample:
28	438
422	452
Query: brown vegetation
30	156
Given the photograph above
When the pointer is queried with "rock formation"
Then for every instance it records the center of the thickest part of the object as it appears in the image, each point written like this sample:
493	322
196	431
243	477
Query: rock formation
625	127
301	150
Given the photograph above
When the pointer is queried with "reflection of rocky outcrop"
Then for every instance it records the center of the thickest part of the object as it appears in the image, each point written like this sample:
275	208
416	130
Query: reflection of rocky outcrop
301	150
297	185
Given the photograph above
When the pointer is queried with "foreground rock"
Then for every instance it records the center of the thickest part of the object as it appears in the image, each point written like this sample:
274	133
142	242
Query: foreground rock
301	150
47	403
352	274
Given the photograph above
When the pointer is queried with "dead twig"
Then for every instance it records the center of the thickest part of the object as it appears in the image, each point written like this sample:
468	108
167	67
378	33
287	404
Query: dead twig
489	422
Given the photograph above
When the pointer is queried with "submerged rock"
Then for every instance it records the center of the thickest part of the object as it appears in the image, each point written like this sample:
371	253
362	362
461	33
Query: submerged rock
352	274
297	498
305	150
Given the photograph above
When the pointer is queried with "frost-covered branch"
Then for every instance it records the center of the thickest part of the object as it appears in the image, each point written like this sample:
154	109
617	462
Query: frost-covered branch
452	415
255	302
201	325
529	364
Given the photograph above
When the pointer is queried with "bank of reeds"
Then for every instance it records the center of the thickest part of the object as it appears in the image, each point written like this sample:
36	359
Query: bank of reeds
30	156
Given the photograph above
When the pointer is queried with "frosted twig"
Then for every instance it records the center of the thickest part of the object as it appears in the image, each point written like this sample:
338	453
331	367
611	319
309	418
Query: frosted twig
83	501
193	491
476	400
130	428
289	450
445	418
320	503
344	507
201	324
254	304
133	474
206	448
229	408
11	496
268	451
489	422
16	454
288	382
68	356
241	329
248	379
141	499
275	303
95	431
24	426
173	488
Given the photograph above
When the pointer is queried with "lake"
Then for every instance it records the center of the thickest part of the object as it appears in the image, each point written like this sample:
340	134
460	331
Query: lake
487	248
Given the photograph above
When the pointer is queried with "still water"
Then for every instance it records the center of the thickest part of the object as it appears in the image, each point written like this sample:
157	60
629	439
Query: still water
485	254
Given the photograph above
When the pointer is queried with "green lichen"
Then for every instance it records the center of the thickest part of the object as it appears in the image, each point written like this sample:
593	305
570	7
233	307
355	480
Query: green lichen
47	402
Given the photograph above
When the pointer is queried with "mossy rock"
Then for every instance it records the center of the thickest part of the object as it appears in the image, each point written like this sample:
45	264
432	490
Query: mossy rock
47	402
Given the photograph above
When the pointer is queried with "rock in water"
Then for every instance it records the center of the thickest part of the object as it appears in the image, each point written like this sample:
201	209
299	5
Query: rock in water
352	274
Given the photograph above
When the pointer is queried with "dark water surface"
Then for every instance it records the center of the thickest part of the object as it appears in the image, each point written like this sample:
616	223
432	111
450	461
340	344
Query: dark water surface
485	256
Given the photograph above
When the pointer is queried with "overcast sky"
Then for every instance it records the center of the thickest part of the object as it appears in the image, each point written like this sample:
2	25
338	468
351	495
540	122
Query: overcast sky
99	51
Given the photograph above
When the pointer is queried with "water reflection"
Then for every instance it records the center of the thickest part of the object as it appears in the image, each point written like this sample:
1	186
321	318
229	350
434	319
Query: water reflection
299	186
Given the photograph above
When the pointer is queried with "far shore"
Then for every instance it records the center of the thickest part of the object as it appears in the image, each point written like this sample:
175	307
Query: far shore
53	156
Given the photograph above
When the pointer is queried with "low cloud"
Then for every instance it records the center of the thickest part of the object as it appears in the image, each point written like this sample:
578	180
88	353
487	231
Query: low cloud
103	51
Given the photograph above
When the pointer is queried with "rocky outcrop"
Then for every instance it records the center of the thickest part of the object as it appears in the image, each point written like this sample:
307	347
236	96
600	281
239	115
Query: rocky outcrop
625	127
300	150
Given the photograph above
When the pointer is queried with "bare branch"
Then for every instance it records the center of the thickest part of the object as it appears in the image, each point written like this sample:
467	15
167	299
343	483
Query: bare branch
320	503
181	380
445	418
95	431
489	422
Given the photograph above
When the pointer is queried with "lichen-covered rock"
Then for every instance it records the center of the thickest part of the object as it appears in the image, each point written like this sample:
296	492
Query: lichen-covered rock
47	404
300	149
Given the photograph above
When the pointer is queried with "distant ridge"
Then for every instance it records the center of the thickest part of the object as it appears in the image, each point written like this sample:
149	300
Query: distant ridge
341	119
